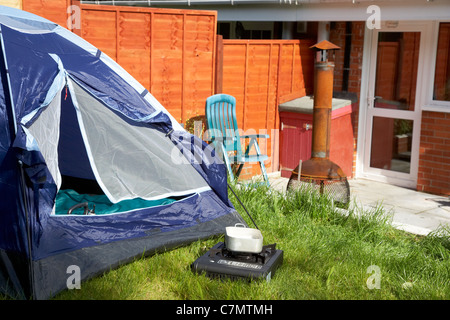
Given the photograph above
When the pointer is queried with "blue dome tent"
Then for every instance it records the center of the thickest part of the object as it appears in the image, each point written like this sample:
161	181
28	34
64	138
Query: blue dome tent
76	130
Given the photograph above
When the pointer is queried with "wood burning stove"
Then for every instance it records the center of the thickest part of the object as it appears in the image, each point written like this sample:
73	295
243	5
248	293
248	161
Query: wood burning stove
319	172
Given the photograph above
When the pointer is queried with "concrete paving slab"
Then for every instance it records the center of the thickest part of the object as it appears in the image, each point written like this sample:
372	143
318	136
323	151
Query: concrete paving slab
412	211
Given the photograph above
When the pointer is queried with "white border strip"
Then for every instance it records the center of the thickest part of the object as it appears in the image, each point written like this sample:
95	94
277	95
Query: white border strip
55	88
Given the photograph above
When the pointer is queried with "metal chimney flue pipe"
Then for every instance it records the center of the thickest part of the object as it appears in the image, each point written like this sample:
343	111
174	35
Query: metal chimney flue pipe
323	95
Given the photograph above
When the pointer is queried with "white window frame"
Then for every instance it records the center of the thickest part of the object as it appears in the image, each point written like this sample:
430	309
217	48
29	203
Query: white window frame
431	104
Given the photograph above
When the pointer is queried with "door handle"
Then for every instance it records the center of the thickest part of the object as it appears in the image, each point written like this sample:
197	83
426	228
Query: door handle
371	100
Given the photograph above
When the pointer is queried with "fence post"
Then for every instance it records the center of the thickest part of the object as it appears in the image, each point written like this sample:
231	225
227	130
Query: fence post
73	24
218	80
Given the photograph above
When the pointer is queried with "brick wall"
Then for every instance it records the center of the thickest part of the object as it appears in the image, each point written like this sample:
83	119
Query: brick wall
434	158
337	37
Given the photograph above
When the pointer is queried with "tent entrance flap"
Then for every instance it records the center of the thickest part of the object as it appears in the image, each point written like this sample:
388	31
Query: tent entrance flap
131	159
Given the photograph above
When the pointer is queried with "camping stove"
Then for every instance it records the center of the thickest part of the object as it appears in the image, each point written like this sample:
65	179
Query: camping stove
219	262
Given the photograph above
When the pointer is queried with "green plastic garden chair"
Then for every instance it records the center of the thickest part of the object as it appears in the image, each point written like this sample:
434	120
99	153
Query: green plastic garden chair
223	131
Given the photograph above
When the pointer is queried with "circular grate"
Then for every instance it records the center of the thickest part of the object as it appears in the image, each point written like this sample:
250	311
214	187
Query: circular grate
337	189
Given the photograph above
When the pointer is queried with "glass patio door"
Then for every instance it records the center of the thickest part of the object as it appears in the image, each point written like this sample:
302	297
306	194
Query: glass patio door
393	112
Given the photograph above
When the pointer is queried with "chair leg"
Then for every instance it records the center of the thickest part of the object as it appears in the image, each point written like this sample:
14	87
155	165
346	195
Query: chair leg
227	163
261	163
264	173
238	172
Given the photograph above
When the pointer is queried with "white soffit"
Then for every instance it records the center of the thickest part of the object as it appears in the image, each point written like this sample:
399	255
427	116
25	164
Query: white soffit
304	10
338	11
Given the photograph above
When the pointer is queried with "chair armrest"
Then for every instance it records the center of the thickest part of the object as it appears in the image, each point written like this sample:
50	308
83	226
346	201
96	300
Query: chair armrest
255	136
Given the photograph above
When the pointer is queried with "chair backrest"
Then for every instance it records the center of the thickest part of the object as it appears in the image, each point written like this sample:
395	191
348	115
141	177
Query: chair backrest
220	111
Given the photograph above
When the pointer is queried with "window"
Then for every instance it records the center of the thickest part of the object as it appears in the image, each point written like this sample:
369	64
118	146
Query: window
247	29
441	90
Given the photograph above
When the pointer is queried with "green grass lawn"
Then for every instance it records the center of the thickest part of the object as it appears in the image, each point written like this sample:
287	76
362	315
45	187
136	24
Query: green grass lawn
327	255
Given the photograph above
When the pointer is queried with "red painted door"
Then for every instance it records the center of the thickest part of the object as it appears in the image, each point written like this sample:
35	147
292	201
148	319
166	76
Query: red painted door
295	140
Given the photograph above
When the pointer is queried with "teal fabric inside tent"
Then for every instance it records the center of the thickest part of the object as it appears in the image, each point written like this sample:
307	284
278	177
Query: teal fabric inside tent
66	199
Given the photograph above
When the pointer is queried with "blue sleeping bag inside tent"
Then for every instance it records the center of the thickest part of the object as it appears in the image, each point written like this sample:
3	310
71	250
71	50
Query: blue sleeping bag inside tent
100	204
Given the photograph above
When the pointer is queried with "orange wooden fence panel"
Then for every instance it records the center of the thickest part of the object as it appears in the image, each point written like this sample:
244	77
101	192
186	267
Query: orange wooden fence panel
261	74
171	52
53	10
